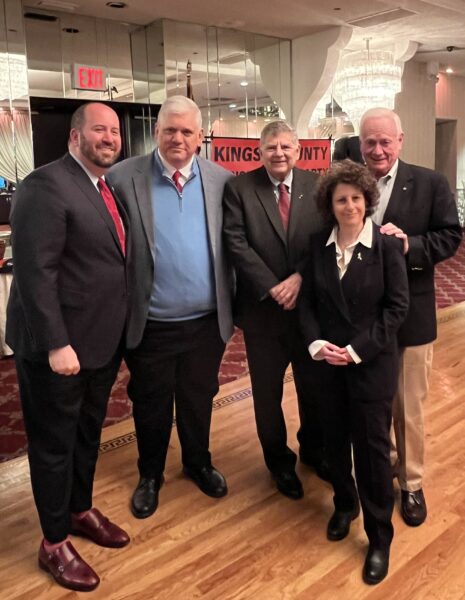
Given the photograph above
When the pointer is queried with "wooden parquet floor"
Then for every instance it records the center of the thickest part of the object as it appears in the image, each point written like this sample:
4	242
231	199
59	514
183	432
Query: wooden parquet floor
255	543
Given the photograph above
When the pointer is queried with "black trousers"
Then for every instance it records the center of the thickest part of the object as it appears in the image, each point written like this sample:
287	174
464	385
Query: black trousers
63	417
175	361
364	425
269	353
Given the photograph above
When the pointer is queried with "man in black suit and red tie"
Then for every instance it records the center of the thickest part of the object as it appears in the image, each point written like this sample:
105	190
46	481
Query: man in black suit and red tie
418	202
269	215
65	322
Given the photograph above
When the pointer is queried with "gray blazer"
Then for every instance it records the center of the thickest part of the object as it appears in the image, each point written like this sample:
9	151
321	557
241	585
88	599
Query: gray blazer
132	182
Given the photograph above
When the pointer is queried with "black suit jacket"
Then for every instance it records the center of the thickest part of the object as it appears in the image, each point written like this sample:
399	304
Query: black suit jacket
423	206
364	309
261	252
69	283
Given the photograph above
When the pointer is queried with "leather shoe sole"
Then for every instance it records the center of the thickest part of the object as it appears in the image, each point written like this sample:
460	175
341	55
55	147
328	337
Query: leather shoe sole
288	484
376	566
99	529
209	481
68	569
413	507
339	524
144	501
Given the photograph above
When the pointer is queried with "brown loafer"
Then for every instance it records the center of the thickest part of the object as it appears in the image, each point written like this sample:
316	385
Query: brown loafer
99	529
68	568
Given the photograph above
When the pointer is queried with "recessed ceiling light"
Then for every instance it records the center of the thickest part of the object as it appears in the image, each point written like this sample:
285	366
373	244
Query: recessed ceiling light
232	105
244	83
449	70
117	4
70	30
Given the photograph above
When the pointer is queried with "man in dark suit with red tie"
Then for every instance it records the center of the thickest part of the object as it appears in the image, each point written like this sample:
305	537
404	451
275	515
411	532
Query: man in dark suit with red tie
65	322
269	215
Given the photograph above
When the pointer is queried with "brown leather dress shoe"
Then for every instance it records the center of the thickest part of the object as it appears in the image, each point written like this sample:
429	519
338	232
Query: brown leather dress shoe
413	507
99	529
68	568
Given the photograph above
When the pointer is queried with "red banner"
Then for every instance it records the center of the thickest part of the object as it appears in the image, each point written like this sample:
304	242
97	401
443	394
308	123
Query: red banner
241	155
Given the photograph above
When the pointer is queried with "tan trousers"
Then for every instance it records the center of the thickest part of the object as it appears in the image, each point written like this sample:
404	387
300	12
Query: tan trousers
407	433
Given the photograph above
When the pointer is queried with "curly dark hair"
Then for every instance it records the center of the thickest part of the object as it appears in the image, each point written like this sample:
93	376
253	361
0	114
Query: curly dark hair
346	171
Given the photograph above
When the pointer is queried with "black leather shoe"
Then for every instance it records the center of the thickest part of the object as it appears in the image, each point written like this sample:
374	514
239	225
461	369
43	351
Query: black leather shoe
144	501
288	484
413	507
376	566
339	524
317	461
209	481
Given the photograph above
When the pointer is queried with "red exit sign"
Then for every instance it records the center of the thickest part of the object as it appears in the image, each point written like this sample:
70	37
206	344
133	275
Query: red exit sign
86	77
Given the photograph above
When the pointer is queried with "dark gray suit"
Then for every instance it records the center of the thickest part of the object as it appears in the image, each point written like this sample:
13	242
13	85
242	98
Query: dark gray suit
172	359
69	288
264	255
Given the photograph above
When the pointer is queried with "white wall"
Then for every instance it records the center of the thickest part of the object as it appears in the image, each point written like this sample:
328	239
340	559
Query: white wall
415	105
450	104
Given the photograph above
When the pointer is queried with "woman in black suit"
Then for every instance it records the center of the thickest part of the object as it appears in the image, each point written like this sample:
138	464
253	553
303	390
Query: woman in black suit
354	298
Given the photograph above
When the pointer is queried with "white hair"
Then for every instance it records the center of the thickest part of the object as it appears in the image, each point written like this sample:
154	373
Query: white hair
378	113
180	105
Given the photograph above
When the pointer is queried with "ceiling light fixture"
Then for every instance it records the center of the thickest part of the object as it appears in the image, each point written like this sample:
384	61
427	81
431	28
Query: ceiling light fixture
365	79
449	70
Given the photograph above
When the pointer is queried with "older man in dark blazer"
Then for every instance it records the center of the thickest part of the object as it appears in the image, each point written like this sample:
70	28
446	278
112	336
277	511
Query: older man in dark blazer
65	323
180	316
269	215
418	202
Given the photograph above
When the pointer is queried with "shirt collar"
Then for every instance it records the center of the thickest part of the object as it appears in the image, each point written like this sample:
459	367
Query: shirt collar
287	180
92	177
391	174
169	169
365	237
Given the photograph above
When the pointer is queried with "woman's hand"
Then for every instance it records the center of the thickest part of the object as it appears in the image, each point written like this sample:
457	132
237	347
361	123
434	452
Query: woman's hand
334	355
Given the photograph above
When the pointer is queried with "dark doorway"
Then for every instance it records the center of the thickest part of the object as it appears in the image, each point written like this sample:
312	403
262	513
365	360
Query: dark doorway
51	118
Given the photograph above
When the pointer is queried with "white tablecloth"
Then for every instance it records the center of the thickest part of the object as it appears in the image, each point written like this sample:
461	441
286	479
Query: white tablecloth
5	284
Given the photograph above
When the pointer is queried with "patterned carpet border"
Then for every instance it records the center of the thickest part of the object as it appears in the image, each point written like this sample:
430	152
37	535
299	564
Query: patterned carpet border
129	438
444	315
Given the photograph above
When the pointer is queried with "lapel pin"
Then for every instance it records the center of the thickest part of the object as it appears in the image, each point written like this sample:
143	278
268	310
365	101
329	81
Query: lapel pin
404	188
301	196
359	256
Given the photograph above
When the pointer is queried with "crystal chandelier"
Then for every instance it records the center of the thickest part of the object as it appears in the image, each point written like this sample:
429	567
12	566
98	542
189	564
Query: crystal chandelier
366	79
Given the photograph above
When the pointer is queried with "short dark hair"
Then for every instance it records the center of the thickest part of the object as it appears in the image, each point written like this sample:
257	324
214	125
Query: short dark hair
346	171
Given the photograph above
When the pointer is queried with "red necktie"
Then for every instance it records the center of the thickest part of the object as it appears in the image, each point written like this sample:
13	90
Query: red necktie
111	206
177	183
284	202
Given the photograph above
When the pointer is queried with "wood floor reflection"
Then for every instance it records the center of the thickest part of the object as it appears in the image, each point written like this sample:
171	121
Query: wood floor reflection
255	543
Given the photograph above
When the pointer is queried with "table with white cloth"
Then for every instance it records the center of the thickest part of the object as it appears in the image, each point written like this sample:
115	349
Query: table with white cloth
5	284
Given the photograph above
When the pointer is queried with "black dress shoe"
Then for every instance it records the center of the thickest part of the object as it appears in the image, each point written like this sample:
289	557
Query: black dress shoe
317	461
376	566
339	524
210	481
144	501
413	507
288	484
